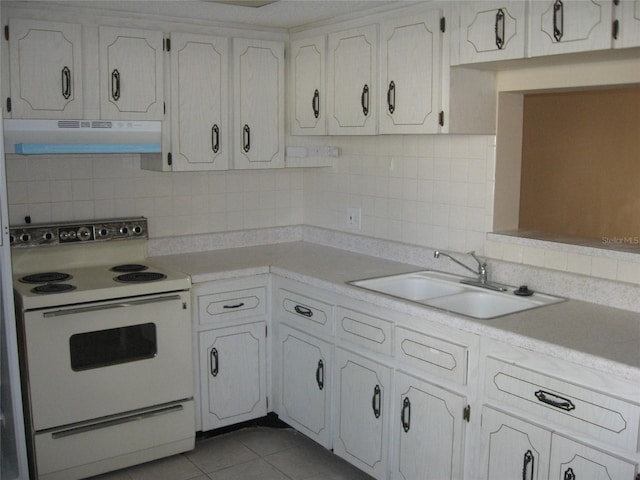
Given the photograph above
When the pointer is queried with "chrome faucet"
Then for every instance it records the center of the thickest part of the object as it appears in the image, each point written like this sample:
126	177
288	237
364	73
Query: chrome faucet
481	272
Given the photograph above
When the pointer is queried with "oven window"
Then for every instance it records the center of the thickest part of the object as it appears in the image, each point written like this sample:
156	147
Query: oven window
113	346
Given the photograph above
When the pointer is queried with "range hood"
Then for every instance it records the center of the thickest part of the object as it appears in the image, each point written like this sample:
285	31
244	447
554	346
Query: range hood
49	137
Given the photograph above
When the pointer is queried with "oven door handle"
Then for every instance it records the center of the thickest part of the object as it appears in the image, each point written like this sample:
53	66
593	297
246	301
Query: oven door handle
123	304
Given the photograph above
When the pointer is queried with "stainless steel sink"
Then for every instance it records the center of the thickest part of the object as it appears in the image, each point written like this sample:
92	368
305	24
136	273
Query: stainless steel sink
445	292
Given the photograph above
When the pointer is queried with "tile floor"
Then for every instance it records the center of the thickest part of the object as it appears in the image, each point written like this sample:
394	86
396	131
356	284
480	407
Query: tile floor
253	453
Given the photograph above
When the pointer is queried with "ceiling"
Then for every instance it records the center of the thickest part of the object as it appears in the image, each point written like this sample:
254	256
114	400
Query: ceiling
282	14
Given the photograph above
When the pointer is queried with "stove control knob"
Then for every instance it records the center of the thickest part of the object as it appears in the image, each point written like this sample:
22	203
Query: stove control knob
103	232
47	236
84	233
25	237
136	229
124	230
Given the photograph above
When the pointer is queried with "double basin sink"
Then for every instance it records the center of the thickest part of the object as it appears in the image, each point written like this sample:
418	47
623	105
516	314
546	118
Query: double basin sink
446	292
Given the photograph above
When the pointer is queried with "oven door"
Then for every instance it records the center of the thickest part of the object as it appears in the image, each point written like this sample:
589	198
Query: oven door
99	359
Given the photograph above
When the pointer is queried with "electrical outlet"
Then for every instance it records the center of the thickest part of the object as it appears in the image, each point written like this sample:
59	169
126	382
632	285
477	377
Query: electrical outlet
354	218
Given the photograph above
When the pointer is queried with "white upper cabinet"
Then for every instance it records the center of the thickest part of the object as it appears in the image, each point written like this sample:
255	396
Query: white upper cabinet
627	27
352	73
259	103
557	26
45	65
131	74
199	102
308	84
410	63
491	31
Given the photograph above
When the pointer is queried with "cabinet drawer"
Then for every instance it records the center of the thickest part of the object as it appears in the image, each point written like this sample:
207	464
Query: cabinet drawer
595	414
305	311
433	355
228	305
365	330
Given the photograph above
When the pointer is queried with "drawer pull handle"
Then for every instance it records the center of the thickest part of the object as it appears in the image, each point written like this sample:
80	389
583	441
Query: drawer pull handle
230	307
554	400
405	414
376	401
569	475
527	465
320	374
304	311
214	362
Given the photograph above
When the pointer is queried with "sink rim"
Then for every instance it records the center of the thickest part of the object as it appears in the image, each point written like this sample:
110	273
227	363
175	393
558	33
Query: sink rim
539	299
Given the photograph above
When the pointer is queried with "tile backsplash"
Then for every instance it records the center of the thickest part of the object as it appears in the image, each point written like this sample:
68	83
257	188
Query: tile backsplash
432	191
103	186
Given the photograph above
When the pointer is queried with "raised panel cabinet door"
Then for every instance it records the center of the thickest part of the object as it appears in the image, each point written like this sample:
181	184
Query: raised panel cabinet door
574	461
232	374
45	66
512	448
492	31
411	71
308	80
564	26
199	125
429	431
362	396
131	74
306	384
259	104
628	24
352	84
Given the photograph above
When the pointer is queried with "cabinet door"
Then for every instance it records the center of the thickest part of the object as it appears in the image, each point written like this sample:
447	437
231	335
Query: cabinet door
628	23
512	448
259	103
306	384
362	396
411	70
232	374
131	74
199	126
353	67
564	26
308	80
45	65
492	31
431	416
573	461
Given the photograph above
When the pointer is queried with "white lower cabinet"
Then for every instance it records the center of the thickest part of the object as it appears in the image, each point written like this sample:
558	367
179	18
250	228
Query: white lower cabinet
362	411
513	448
305	385
233	384
428	426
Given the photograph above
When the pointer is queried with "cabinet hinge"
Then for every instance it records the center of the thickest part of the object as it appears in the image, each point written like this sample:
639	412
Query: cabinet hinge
466	413
443	24
169	159
167	44
441	118
8	104
6	32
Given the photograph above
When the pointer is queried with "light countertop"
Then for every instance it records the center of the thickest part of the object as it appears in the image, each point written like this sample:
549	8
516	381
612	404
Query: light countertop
603	338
